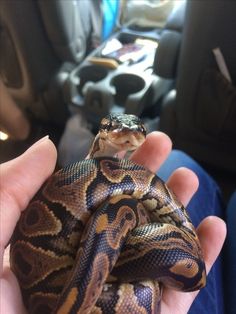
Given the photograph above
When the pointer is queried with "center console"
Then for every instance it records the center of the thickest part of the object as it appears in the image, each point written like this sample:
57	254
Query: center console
118	77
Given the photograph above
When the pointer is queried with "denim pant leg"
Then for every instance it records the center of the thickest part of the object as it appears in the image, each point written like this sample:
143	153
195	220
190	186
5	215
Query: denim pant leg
205	202
230	254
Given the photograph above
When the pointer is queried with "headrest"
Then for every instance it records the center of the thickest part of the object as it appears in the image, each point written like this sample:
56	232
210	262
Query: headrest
166	58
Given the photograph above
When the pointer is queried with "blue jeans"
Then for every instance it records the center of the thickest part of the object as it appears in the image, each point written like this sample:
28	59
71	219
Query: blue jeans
230	257
205	202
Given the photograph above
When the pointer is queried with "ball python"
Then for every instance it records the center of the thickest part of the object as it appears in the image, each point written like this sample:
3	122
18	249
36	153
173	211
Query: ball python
104	235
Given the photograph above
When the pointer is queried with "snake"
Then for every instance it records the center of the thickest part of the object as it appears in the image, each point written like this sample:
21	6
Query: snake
105	234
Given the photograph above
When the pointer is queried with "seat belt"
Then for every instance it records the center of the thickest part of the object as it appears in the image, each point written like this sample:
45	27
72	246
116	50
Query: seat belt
97	19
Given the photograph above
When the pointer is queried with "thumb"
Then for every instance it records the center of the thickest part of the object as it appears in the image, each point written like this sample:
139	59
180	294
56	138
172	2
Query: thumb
20	180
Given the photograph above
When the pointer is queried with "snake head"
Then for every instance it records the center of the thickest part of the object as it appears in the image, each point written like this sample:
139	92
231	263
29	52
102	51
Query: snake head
122	132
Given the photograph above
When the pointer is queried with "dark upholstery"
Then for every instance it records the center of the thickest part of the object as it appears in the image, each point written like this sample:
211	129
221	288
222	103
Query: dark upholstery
204	99
166	58
65	27
40	43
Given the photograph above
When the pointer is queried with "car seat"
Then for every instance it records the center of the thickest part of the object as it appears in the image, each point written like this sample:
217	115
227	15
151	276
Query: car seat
40	42
167	54
200	113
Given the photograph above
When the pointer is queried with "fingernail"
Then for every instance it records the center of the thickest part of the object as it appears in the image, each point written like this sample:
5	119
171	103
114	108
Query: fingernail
40	141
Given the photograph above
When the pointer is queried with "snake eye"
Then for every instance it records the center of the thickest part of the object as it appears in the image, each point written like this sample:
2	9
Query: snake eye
110	125
105	124
143	130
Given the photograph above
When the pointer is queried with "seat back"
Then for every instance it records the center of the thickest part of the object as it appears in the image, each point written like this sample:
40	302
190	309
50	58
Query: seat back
166	58
205	103
68	25
39	43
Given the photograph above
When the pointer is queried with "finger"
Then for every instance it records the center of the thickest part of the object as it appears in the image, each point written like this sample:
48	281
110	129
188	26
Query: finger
20	180
153	152
212	233
184	183
10	294
27	171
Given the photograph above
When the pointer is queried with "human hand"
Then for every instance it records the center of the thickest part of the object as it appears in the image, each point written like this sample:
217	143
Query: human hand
184	183
20	178
18	186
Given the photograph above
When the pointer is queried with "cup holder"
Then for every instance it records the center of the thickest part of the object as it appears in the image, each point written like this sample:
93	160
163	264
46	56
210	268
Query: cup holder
126	84
91	73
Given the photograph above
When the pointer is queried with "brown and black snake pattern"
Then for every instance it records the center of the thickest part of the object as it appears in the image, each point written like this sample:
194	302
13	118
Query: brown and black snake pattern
102	236
54	273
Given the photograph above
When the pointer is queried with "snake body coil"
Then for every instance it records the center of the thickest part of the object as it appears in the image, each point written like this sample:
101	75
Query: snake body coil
102	236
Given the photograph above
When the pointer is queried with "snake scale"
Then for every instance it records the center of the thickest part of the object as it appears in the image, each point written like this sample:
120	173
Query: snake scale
104	235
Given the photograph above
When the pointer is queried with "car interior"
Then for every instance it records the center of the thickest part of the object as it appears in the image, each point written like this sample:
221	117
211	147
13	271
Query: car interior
62	71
